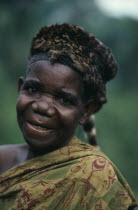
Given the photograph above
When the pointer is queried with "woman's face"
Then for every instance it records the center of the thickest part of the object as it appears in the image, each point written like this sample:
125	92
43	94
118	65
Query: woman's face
50	105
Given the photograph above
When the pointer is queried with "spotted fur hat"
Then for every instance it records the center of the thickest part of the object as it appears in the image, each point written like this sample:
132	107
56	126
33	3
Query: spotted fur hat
73	46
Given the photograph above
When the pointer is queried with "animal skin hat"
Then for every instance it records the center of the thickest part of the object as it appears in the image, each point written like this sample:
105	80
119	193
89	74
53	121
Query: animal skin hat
71	45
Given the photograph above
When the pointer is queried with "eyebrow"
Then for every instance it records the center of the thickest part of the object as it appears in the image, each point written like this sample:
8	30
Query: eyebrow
67	94
33	82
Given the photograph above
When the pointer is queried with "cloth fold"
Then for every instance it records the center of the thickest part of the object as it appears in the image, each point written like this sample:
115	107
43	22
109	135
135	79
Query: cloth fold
77	176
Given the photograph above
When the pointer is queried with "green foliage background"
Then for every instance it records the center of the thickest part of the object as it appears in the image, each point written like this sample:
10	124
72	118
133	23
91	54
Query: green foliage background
117	122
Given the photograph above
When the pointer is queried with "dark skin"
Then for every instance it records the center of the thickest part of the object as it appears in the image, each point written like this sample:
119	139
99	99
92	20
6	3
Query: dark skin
49	108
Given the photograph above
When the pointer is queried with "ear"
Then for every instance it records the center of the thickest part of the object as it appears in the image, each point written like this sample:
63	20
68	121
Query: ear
20	83
89	108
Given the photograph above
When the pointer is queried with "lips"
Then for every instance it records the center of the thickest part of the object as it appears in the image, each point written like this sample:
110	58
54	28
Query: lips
38	127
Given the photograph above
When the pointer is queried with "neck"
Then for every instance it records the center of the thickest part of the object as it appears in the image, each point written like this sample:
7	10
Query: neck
33	153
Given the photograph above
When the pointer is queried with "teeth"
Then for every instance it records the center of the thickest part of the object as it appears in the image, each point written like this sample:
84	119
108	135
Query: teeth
39	127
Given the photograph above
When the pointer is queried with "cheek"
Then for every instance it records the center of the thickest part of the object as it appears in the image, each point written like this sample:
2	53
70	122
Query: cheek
22	103
70	118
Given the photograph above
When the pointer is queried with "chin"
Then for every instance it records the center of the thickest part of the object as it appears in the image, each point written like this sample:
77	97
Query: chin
44	145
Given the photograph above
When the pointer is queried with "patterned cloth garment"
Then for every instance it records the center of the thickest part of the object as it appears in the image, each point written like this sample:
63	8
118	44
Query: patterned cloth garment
77	176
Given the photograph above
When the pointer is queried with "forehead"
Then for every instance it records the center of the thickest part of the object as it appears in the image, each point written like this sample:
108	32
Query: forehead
55	75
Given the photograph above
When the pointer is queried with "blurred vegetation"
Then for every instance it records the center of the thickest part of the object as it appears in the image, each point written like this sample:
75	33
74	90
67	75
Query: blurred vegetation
117	123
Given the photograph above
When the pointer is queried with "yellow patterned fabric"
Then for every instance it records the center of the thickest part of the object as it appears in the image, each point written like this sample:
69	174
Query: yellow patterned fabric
77	176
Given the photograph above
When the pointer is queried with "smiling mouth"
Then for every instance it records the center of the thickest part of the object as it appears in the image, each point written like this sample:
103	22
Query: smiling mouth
38	127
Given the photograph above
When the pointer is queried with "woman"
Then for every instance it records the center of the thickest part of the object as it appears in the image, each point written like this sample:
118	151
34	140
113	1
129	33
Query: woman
64	85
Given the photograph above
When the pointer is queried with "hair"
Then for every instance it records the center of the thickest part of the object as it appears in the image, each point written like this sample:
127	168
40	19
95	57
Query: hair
72	46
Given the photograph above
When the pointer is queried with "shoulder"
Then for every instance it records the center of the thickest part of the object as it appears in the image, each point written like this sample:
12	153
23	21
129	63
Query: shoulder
9	156
9	150
109	186
100	167
93	163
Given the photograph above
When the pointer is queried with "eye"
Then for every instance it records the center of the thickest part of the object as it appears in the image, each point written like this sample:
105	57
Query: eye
32	90
65	101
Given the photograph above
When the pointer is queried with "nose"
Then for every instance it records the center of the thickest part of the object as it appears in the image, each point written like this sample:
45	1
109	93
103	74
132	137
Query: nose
44	107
